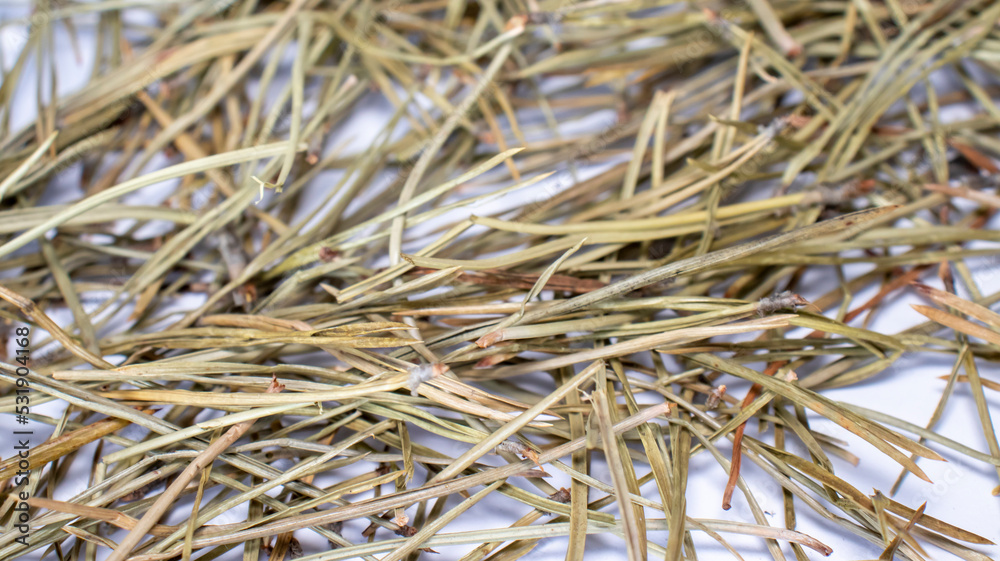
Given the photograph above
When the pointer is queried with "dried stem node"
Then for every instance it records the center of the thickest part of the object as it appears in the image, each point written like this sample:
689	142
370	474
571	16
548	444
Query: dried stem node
423	373
782	301
715	397
519	449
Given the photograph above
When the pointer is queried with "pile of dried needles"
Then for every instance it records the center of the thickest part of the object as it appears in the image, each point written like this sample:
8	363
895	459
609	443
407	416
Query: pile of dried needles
326	279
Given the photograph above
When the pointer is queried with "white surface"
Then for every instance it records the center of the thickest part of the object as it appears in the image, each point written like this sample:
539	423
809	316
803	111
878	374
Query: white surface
909	390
